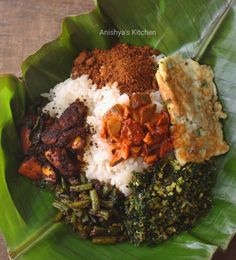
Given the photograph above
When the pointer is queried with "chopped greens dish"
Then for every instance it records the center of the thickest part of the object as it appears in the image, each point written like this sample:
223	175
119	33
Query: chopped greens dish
167	199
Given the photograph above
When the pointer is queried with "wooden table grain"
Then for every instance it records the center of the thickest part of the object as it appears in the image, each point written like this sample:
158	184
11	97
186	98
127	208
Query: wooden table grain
24	27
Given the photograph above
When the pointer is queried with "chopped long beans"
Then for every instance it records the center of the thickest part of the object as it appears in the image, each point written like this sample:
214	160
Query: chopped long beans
92	208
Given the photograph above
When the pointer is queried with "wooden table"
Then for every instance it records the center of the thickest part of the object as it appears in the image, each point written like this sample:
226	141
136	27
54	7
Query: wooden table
24	27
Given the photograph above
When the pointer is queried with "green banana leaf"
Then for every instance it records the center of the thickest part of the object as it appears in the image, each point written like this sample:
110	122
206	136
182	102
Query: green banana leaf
205	30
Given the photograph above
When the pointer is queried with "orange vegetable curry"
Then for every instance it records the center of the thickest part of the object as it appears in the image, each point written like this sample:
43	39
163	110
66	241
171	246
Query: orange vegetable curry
137	130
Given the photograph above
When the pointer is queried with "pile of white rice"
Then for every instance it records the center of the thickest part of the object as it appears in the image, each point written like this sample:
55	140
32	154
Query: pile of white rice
98	155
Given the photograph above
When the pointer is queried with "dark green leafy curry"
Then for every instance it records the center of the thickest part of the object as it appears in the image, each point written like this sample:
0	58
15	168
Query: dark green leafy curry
167	199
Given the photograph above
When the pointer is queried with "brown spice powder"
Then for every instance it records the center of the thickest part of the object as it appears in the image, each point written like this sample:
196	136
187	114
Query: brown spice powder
132	67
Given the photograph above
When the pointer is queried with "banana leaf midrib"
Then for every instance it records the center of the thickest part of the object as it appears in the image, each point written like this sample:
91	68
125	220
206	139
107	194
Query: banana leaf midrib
33	239
209	35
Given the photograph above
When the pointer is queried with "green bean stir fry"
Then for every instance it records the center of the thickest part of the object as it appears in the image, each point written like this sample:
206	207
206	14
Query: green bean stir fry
95	210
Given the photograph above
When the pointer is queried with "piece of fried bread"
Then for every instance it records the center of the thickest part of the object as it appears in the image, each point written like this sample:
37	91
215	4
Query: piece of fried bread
190	95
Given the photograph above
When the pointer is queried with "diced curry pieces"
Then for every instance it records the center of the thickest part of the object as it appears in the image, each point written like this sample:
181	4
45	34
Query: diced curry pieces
137	130
53	146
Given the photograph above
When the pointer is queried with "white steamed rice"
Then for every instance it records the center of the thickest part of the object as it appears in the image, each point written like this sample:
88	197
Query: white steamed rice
98	155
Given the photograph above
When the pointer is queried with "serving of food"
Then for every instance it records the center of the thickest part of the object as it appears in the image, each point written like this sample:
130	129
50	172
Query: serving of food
126	144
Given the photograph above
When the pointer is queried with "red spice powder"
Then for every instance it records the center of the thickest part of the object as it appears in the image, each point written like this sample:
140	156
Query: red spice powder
132	67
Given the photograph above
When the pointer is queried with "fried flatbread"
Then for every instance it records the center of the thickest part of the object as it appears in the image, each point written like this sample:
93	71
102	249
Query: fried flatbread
190	95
